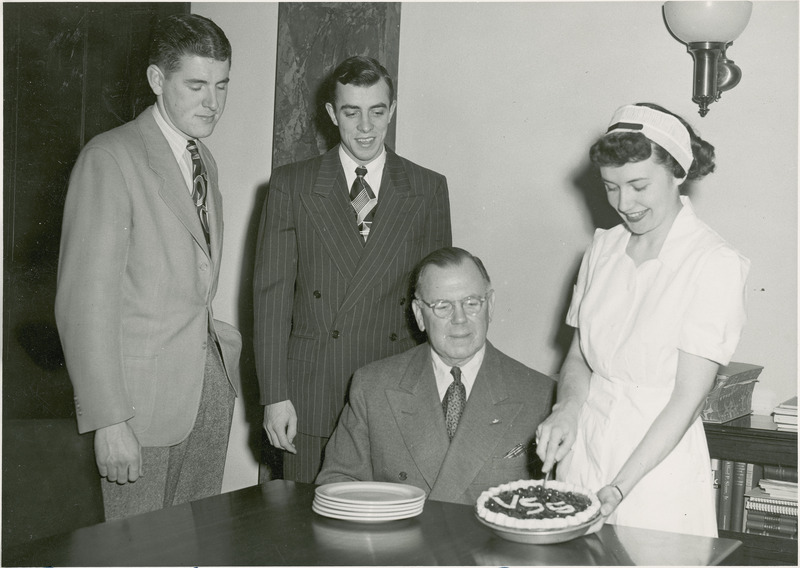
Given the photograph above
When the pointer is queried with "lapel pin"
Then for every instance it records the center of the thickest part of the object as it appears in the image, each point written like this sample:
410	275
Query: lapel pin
495	421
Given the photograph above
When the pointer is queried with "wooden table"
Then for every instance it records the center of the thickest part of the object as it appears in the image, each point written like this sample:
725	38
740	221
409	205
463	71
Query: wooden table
272	524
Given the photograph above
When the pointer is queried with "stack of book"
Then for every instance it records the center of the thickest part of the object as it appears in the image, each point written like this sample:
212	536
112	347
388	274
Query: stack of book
785	415
731	481
771	507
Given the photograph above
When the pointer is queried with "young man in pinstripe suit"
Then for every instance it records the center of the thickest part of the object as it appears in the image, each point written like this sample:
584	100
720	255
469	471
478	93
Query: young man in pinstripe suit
335	250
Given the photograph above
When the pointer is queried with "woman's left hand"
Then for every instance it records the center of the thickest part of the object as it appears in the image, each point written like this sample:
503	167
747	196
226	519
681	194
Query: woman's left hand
610	499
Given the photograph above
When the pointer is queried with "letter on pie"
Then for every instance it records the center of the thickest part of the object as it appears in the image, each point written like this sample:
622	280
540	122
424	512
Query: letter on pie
561	507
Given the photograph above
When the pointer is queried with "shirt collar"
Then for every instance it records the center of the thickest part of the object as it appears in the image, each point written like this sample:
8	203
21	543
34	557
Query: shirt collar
177	142
374	169
469	371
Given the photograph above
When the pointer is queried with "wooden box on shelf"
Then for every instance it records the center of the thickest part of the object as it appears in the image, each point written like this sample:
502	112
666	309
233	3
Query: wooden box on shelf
732	394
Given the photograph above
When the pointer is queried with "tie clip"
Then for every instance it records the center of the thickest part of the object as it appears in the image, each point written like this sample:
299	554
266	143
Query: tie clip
514	452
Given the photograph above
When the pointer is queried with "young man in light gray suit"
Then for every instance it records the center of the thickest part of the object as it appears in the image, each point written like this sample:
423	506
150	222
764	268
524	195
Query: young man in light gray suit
335	250
152	370
401	423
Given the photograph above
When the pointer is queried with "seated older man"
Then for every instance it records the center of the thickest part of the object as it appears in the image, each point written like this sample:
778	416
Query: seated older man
454	416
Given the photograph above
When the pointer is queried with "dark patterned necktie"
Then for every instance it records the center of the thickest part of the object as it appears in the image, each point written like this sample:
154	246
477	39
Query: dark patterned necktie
199	187
455	399
363	201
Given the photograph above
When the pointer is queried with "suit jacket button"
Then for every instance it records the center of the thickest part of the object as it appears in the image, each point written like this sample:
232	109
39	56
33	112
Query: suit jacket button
403	475
402	301
393	337
335	333
317	294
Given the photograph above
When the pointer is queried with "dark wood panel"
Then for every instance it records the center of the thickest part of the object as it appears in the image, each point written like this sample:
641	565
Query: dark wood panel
116	60
43	497
44	46
70	72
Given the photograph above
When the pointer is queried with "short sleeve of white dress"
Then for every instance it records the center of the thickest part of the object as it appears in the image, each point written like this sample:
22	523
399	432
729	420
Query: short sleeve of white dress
715	314
579	289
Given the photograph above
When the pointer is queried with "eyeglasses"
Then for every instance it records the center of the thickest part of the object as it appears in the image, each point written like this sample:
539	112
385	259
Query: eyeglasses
472	305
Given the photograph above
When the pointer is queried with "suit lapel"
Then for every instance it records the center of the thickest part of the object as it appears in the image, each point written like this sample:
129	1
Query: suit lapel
488	416
398	203
418	414
330	212
173	188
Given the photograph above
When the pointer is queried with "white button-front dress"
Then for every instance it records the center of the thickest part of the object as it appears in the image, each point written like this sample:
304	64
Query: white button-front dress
633	321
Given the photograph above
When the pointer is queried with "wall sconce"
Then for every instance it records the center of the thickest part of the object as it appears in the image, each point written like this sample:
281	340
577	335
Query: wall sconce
708	29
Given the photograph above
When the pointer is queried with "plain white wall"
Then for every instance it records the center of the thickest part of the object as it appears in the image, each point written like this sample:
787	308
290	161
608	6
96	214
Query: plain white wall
505	100
242	147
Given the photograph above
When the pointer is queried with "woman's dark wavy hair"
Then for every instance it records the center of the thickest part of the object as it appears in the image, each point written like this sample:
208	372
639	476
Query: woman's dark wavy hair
619	148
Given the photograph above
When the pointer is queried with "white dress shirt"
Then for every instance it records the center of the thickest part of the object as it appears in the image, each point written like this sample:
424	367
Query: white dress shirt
177	142
469	371
374	170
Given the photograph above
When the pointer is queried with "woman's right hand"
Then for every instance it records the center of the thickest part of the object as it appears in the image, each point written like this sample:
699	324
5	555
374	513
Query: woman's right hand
556	435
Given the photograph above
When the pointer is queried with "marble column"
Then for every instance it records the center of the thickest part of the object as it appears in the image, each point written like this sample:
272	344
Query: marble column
312	39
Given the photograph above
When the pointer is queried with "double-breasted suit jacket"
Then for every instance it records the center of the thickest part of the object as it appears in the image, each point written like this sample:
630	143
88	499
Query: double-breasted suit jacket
393	427
136	281
326	303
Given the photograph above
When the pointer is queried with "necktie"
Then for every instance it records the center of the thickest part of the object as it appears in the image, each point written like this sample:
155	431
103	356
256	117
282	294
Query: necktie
363	201
199	187
455	399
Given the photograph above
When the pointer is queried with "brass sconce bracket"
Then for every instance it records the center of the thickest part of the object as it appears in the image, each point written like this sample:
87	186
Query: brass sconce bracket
713	72
708	29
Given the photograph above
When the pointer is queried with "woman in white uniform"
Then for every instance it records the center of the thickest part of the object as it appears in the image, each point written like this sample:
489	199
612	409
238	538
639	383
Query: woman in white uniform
658	307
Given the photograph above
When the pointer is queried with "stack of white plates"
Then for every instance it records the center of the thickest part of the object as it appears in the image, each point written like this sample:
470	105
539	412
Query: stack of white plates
368	501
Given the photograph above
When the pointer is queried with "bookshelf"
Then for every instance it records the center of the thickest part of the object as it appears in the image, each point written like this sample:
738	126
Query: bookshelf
756	439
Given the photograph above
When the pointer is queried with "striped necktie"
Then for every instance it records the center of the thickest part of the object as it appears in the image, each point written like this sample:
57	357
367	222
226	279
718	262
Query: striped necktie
363	201
199	187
